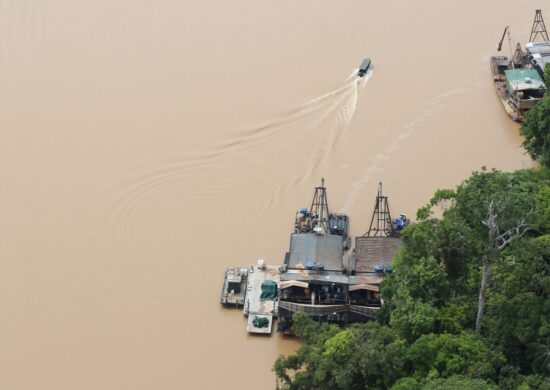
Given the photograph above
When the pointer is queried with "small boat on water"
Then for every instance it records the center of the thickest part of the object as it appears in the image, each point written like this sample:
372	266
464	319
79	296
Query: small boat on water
364	67
234	287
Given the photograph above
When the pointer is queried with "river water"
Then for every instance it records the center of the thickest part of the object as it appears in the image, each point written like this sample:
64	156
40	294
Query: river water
145	146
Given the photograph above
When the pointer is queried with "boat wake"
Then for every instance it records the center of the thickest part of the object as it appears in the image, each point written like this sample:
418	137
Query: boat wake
353	74
330	124
318	125
434	106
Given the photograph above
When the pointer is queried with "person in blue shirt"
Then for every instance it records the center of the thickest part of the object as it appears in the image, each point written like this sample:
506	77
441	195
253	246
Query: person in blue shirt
401	222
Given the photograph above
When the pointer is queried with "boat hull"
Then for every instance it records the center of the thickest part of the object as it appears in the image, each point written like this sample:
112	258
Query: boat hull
234	287
500	87
364	67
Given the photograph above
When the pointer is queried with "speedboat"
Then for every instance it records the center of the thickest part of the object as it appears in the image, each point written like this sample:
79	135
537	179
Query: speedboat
365	65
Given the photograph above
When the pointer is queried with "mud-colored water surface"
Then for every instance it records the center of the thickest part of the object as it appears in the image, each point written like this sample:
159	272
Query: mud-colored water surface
145	146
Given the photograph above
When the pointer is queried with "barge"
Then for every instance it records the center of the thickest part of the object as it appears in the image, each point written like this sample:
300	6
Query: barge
519	79
499	65
262	297
234	286
519	89
337	287
321	276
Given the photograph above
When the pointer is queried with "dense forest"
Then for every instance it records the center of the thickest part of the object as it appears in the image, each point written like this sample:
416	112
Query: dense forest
467	305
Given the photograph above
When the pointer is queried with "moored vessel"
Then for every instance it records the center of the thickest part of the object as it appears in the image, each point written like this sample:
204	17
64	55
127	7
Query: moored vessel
499	65
519	79
234	286
319	277
519	89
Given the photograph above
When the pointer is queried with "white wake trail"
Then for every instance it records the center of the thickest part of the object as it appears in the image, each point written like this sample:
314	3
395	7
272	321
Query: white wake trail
433	107
349	109
366	78
330	94
353	74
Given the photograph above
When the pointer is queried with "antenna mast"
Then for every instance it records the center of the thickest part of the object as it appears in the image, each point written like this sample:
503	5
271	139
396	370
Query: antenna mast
538	28
381	222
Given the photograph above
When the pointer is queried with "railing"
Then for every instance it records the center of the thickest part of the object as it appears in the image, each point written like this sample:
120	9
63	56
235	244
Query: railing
363	310
304	299
323	310
313	310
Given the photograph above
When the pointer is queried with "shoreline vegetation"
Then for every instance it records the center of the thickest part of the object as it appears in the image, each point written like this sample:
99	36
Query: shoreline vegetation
467	305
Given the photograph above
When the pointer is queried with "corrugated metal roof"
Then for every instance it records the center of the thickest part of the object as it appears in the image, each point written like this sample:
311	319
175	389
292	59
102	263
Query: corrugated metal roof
366	279
538	47
315	276
331	277
370	287
290	283
540	61
372	251
521	79
312	247
521	74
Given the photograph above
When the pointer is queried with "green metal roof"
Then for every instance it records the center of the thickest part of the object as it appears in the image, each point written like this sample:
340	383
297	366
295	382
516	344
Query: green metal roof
521	74
523	79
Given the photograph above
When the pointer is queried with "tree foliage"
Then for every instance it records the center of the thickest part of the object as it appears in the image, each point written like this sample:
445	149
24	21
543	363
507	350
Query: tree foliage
424	336
536	127
444	355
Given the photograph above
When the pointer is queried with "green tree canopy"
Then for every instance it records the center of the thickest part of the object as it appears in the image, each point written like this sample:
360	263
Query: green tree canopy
424	338
536	127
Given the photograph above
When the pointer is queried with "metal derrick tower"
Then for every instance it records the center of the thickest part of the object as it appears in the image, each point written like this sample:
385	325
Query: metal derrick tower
539	28
381	224
319	212
519	55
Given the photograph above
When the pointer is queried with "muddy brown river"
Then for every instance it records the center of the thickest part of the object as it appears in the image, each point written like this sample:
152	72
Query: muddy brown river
145	146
